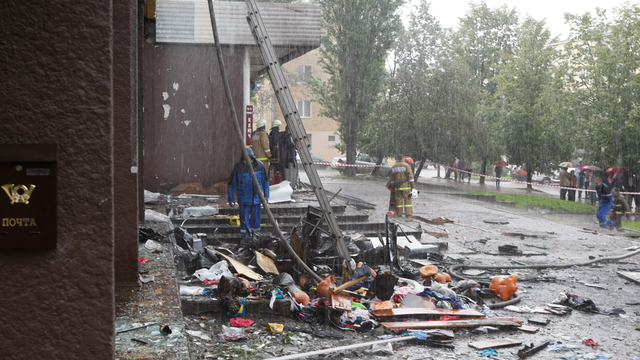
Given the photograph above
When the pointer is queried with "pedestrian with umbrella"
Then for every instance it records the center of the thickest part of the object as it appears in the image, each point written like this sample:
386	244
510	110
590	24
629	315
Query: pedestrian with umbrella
498	170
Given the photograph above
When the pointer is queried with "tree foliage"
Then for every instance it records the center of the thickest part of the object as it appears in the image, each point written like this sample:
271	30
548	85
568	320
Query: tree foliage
603	57
526	103
357	37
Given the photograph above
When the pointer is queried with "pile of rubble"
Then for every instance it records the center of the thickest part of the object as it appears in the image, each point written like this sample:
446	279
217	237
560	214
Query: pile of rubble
400	291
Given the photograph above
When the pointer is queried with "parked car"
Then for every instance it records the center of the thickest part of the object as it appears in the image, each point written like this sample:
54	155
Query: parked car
361	159
520	174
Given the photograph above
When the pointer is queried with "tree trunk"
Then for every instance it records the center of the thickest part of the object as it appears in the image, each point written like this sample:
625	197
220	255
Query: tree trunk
483	171
438	171
351	157
376	170
416	176
529	177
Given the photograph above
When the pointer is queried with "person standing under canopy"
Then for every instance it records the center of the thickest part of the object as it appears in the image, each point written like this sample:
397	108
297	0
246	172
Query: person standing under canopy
249	203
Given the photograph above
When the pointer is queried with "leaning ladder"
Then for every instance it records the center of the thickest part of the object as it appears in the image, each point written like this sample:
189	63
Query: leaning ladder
292	118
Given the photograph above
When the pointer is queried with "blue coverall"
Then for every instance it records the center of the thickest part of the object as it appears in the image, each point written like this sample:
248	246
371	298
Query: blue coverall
248	199
606	201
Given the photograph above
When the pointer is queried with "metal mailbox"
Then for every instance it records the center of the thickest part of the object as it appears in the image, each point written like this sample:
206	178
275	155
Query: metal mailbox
28	196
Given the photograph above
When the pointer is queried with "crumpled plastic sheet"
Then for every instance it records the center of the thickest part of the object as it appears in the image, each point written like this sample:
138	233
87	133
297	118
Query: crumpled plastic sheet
215	272
232	334
487	353
153	245
380	349
191	290
354	316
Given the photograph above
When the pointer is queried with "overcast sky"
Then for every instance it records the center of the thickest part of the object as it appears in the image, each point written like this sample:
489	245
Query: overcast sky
448	11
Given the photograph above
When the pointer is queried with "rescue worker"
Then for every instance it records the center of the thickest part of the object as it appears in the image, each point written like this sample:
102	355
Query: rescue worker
620	207
288	157
275	140
401	177
248	199
261	144
606	201
393	205
565	182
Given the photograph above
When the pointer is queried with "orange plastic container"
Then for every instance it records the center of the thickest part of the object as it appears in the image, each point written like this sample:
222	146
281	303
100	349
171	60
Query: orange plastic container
504	287
443	277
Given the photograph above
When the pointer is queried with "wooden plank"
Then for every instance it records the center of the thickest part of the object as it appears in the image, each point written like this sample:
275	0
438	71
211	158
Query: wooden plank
450	323
488	344
349	284
404	311
529	328
630	275
340	302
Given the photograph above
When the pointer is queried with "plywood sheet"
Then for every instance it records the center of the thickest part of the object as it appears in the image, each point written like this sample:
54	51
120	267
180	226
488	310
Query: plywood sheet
496	343
450	323
241	268
405	311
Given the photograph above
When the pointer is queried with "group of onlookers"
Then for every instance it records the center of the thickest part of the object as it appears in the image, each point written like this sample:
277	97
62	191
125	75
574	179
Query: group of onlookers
606	188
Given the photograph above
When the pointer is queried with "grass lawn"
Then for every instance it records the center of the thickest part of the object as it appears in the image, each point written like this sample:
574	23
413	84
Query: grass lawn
632	225
526	201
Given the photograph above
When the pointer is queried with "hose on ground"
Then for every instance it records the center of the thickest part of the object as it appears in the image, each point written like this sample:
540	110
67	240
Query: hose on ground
515	299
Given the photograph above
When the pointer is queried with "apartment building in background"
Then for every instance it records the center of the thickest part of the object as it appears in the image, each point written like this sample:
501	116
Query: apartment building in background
322	131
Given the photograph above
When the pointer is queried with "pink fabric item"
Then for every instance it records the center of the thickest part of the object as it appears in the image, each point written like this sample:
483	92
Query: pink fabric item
241	322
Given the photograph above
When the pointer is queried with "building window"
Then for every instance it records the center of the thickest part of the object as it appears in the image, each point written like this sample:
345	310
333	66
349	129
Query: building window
304	108
304	73
332	138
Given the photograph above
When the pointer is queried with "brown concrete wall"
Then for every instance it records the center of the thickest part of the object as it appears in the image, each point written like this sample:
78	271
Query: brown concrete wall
125	141
196	142
56	65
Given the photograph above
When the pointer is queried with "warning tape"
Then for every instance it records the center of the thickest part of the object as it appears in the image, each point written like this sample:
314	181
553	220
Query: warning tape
529	183
478	174
343	164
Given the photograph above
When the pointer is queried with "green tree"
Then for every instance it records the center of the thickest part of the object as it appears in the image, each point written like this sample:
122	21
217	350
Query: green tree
604	61
483	39
528	102
358	35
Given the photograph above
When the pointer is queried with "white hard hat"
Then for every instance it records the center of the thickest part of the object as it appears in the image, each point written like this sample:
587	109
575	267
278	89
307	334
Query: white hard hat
260	123
275	123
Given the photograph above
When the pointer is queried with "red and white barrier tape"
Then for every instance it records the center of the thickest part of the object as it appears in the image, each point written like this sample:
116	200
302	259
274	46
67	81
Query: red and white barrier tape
477	174
529	183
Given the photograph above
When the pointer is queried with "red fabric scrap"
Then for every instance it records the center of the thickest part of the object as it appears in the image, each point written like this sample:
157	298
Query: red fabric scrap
446	318
143	260
590	342
241	322
211	282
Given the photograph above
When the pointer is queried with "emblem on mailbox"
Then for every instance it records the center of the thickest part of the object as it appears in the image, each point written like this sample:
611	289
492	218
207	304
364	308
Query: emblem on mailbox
16	197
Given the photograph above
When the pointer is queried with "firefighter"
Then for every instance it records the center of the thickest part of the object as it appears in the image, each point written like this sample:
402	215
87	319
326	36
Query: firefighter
261	144
402	177
275	140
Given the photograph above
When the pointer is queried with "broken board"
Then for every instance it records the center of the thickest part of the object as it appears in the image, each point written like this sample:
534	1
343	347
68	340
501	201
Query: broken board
266	264
529	328
340	302
405	311
407	240
488	344
450	323
241	268
630	275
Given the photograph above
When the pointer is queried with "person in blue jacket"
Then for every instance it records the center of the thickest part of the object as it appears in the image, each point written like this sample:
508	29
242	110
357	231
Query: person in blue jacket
606	201
248	199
